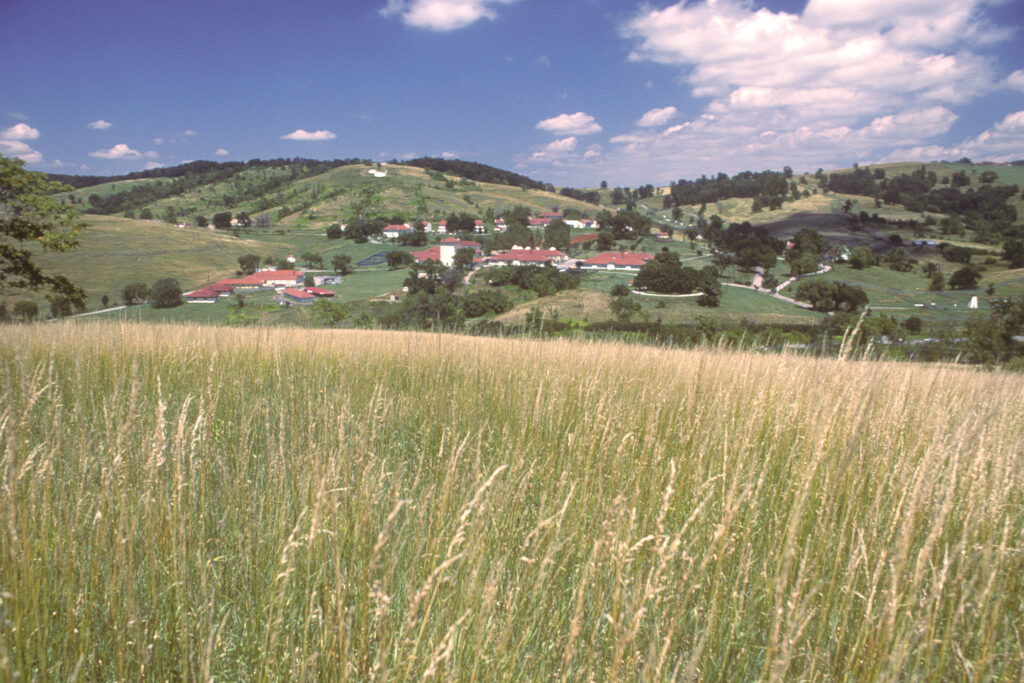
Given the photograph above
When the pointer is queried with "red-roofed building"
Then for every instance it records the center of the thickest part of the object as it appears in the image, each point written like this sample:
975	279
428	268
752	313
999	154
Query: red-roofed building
206	295
528	257
291	295
278	278
319	292
616	260
428	254
396	231
462	244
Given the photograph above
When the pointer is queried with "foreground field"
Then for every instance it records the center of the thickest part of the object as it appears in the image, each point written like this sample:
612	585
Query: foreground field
197	503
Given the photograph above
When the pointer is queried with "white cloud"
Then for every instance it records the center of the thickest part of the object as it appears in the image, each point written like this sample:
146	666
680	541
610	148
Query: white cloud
1016	80
543	60
153	164
843	80
12	143
100	125
189	133
118	151
442	15
20	150
221	152
564	145
158	141
19	131
309	135
449	155
570	124
657	117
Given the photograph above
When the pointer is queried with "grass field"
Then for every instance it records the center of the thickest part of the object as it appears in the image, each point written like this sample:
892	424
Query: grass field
259	504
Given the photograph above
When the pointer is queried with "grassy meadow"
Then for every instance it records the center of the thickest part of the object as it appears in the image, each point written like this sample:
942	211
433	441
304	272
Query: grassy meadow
197	503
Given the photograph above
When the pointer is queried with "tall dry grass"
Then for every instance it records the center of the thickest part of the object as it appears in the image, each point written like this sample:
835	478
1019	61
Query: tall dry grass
196	503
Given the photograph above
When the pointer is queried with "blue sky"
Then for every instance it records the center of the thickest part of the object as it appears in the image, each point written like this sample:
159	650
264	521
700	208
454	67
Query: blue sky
570	92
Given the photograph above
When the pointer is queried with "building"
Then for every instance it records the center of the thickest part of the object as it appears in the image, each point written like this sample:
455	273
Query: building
616	260
396	231
291	295
528	257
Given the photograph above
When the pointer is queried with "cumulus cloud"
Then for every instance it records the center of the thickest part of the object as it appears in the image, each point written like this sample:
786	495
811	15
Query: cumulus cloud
12	143
442	15
20	150
657	117
838	81
1016	80
19	131
100	125
309	135
153	164
118	151
570	124
221	152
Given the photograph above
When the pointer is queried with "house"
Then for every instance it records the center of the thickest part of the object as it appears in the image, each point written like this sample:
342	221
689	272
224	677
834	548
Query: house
478	226
396	231
278	278
444	253
291	295
517	256
462	244
442	227
320	293
500	225
206	295
616	260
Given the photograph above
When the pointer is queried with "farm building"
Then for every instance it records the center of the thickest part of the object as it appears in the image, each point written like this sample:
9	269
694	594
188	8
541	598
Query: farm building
616	260
291	295
528	256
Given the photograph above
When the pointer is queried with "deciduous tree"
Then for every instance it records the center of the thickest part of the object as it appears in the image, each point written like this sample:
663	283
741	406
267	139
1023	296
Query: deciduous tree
29	214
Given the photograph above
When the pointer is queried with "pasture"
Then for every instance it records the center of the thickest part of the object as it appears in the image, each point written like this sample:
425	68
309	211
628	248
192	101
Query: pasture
184	502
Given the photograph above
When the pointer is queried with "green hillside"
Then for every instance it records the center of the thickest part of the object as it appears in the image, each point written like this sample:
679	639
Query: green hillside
298	195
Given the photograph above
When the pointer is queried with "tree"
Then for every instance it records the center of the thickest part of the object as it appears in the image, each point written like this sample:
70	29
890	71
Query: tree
342	264
26	310
965	278
1013	252
485	301
557	234
710	287
166	293
60	306
623	308
30	214
862	257
244	221
135	292
831	296
464	258
955	254
619	290
249	263
202	222
398	259
665	274
912	325
222	220
313	260
334	231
